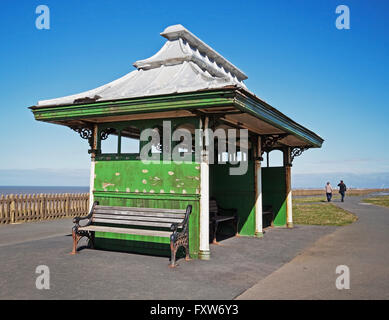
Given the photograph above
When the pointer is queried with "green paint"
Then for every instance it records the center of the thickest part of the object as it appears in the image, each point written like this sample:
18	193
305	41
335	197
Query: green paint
235	192
155	185
274	192
184	101
133	176
134	106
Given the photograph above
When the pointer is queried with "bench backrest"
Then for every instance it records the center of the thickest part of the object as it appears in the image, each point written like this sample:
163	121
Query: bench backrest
148	217
213	208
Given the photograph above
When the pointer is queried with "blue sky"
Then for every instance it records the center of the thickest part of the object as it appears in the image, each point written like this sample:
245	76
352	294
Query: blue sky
334	82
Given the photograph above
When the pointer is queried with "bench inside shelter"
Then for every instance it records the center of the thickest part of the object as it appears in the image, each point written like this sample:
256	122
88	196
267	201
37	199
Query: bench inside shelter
219	215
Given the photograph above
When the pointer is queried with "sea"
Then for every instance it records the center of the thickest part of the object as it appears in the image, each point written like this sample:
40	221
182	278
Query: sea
4	190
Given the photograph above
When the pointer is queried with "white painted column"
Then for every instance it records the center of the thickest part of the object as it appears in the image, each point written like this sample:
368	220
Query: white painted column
289	211
258	191
288	185
91	183
204	253
92	168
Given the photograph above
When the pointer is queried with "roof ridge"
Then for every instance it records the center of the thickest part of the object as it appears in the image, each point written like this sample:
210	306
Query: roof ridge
192	49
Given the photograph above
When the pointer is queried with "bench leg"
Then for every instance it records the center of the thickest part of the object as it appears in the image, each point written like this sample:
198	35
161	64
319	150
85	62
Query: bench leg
236	226
215	225
76	238
173	251
92	239
187	258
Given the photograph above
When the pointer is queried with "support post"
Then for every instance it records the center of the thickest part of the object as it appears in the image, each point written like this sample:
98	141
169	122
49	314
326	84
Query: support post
204	252
288	187
258	190
92	167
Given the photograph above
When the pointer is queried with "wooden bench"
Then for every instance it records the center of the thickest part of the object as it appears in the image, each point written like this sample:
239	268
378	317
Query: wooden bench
145	219
218	214
267	216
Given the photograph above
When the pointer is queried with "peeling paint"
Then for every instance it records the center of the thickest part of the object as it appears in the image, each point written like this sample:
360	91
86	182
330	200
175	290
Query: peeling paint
106	184
134	175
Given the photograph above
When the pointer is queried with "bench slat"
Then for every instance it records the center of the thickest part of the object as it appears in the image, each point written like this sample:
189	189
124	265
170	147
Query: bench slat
135	209
134	223
138	218
139	213
224	218
142	232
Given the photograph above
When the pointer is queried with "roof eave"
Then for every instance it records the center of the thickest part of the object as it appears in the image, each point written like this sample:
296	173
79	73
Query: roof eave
231	95
252	104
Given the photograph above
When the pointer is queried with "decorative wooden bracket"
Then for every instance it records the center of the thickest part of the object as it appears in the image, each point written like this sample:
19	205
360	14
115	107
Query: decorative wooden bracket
268	141
296	152
106	132
85	133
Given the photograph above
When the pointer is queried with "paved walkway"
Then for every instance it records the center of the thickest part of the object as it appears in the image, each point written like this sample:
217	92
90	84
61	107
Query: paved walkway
235	266
285	264
24	232
362	246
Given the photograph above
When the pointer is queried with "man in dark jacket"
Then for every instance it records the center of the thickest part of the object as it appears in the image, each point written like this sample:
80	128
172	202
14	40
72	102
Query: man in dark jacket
342	189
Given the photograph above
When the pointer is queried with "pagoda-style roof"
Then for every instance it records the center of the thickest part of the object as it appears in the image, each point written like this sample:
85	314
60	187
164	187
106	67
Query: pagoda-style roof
183	64
184	78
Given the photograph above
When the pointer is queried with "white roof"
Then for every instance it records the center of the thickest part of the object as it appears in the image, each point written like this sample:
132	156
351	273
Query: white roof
183	64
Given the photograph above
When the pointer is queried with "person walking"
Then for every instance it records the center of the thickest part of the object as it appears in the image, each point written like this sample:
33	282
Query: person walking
328	188
342	189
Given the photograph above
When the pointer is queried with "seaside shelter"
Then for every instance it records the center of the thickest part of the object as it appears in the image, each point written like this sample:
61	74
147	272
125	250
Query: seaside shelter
189	88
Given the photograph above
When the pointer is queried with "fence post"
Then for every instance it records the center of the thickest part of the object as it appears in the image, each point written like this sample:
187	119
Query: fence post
67	204
12	208
43	204
7	209
2	208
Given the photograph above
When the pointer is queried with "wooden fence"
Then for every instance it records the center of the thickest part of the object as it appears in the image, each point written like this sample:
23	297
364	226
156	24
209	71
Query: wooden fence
24	208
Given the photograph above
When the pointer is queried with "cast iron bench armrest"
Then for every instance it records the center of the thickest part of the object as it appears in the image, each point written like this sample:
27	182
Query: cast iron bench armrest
76	220
184	222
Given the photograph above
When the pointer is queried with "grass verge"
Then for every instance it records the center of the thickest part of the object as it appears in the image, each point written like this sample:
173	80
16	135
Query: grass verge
323	198
379	201
322	214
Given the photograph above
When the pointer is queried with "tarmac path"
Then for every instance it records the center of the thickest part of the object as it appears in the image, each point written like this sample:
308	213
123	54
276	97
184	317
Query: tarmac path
294	263
362	246
236	265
